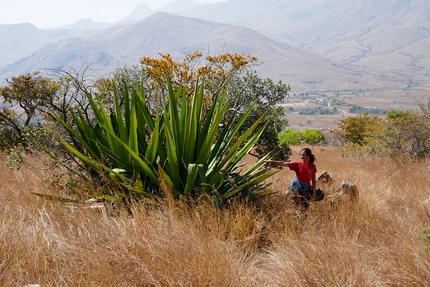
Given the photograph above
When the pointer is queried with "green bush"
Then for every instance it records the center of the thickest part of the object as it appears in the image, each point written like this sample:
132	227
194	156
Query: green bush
185	148
401	136
312	136
291	137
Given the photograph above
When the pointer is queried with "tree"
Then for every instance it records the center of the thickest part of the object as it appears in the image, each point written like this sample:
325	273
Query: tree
396	114
265	94
407	135
31	105
402	135
362	135
227	72
313	136
24	103
358	130
291	137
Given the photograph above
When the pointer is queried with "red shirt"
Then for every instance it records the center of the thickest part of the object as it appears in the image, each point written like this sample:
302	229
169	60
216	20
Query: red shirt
304	172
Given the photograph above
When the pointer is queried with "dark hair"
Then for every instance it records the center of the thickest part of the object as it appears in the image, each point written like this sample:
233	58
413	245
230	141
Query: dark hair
309	154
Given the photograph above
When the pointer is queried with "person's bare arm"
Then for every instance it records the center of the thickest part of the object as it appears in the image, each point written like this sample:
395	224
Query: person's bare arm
277	162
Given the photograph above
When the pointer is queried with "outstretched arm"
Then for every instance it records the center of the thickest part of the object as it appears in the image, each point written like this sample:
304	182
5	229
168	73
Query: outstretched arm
277	162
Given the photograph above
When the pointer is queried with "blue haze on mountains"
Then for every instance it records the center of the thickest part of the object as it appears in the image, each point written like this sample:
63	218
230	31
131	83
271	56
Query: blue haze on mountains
310	44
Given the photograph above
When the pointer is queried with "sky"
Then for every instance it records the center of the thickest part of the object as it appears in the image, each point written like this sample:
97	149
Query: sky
51	13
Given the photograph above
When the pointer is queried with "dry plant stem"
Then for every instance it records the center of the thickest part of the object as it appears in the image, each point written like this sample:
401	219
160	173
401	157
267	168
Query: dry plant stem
373	242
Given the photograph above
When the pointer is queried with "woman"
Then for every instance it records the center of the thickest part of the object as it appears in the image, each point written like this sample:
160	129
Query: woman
303	187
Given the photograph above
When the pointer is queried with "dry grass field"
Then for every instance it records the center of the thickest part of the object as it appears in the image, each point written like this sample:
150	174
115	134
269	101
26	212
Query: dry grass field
376	241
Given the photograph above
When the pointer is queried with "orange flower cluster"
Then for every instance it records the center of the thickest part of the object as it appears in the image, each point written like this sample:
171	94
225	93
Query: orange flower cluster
214	70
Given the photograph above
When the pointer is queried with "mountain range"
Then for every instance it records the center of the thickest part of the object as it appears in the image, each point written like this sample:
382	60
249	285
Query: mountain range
313	45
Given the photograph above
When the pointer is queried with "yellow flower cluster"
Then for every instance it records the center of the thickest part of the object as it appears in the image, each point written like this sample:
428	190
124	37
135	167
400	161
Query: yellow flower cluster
213	69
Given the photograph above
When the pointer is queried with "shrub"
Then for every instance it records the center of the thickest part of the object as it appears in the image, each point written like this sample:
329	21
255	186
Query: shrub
291	137
313	136
407	136
358	130
403	135
181	149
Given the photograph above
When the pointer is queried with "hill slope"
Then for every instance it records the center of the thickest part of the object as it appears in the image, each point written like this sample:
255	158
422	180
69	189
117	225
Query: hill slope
389	37
167	33
21	40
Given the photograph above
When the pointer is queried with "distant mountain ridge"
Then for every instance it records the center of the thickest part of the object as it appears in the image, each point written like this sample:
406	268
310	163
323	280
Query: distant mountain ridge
389	37
167	33
349	48
140	12
20	40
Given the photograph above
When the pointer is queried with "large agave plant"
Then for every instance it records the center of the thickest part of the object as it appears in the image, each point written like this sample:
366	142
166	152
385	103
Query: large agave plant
182	148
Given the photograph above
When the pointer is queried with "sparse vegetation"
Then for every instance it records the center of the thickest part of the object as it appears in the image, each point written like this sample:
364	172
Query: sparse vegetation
426	238
402	136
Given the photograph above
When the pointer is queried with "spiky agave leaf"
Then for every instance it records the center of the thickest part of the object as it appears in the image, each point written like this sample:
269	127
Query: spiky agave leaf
180	149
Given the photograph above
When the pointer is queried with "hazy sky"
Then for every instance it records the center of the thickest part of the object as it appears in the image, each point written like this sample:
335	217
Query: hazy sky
51	13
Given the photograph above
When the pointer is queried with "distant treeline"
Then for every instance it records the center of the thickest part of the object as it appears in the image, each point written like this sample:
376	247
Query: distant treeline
318	111
372	111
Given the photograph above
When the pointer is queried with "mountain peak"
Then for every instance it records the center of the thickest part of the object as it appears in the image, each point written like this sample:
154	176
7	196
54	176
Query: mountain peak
140	12
180	6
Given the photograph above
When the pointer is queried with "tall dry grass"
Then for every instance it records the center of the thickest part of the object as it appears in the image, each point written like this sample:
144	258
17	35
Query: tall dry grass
373	242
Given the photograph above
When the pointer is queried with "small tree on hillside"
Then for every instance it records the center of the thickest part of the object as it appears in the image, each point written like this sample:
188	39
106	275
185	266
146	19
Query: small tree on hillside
31	105
291	137
226	72
24	104
358	130
313	136
407	135
403	135
361	135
